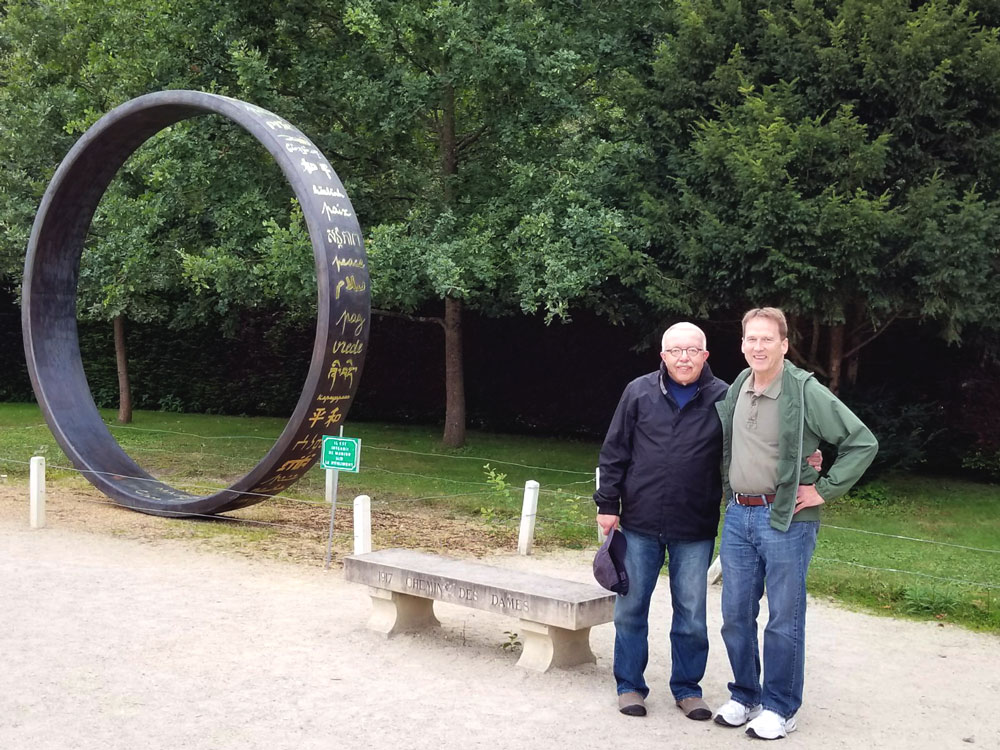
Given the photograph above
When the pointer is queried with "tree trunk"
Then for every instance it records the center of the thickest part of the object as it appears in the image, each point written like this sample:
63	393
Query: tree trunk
814	341
448	144
121	357
854	342
836	356
454	414
852	371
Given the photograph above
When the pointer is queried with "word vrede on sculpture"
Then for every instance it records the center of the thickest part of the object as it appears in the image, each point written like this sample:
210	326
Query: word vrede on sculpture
51	274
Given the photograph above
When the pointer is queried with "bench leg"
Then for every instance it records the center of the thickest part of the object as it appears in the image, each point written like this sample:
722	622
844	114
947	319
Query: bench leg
546	646
393	612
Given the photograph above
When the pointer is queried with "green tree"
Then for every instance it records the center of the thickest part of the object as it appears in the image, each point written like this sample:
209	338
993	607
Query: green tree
510	162
837	159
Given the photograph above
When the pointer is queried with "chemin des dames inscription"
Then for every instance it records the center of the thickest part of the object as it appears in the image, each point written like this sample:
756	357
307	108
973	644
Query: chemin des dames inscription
443	590
506	601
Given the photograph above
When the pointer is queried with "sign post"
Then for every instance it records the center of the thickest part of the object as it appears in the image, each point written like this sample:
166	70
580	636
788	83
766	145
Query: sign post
338	454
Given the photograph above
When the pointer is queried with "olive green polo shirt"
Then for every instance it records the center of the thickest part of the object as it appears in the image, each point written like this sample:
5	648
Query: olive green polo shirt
754	466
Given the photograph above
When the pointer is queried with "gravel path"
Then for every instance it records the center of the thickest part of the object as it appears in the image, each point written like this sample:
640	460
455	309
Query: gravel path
111	642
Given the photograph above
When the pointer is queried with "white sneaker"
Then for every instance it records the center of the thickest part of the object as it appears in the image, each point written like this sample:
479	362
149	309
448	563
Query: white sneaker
770	726
735	714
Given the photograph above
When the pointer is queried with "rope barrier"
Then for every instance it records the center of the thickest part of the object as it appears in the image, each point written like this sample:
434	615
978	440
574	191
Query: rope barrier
911	539
909	572
558	493
476	458
508	524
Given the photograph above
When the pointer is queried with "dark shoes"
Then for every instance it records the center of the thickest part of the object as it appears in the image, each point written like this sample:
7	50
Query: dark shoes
631	704
695	708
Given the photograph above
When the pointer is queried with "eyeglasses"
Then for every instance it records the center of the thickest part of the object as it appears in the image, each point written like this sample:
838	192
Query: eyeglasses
691	351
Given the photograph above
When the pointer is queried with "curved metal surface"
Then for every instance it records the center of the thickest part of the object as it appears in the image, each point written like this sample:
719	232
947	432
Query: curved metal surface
49	303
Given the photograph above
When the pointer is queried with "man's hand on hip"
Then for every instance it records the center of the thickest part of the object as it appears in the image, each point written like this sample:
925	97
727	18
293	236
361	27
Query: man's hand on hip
807	497
607	522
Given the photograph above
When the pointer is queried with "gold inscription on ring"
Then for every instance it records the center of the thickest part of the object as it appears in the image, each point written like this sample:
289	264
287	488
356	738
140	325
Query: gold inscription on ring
347	347
350	284
324	399
343	239
330	211
278	481
327	191
296	464
310	443
326	416
339	262
345	371
347	318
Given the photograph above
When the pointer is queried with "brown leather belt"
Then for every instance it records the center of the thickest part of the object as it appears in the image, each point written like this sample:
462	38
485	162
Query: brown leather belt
753	500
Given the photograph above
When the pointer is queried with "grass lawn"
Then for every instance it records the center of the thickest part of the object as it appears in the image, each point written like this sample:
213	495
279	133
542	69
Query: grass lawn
953	576
400	464
961	518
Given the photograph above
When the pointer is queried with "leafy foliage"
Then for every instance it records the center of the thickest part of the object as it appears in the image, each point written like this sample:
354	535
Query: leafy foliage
835	159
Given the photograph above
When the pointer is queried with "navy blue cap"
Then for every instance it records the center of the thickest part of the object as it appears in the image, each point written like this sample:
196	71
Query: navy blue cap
609	563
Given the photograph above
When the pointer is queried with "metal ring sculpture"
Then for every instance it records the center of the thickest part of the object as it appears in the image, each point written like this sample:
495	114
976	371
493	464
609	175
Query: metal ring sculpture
51	274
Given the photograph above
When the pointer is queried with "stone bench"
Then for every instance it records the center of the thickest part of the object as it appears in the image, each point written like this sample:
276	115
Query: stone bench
555	614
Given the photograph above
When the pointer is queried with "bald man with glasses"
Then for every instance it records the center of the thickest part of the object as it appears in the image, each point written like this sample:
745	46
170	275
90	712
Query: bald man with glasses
660	484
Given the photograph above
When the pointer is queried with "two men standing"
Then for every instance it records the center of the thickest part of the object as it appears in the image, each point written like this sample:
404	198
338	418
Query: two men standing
770	422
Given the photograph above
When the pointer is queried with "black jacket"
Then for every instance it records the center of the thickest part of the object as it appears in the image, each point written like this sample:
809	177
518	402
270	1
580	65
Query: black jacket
663	463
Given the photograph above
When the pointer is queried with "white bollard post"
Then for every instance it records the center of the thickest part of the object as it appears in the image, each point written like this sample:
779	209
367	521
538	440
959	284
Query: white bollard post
529	511
601	536
332	480
362	524
715	571
36	484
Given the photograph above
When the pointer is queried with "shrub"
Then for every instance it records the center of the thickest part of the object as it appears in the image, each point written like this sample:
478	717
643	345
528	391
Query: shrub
870	496
906	429
919	599
980	412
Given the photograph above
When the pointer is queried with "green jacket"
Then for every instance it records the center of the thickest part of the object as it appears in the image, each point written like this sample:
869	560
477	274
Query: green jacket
809	413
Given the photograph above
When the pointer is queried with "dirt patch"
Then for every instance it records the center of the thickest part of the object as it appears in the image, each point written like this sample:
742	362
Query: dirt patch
276	529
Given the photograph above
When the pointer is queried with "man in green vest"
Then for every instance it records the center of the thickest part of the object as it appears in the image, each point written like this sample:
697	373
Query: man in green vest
773	417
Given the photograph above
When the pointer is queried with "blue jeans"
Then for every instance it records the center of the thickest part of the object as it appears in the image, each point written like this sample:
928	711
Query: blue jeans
688	570
751	552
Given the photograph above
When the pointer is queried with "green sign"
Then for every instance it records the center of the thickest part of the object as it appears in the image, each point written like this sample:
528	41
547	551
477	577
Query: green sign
341	453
